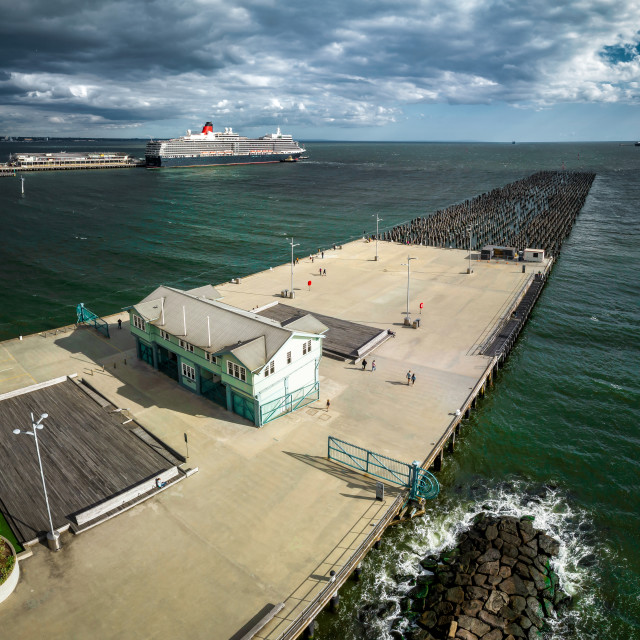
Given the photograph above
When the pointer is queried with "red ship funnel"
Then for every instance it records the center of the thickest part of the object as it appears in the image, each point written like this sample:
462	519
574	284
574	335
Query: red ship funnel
208	128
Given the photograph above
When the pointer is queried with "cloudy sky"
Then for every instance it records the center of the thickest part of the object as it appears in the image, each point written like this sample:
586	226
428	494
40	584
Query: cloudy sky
492	70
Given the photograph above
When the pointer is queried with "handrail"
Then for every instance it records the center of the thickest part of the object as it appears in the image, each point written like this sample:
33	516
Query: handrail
455	421
505	316
319	602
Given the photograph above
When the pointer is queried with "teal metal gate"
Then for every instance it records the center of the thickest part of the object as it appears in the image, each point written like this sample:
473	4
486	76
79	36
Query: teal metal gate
88	317
420	482
243	406
290	402
214	391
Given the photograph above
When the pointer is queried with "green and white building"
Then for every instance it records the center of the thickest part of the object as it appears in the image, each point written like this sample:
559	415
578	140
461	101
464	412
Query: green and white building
251	365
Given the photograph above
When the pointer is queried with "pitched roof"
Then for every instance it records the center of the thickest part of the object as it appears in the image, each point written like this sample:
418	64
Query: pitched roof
214	326
307	324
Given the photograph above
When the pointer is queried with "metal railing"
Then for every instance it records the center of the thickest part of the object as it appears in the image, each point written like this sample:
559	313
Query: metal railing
290	402
88	317
420	482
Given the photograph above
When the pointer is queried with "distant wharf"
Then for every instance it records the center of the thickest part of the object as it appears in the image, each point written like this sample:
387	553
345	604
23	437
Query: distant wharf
64	161
269	519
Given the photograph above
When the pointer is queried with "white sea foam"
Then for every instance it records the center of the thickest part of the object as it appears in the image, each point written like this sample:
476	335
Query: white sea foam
391	573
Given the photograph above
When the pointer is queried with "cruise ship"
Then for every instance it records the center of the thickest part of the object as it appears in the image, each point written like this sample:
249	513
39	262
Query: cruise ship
227	147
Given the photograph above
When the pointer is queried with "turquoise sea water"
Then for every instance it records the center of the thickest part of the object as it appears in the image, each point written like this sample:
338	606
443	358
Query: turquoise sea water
557	436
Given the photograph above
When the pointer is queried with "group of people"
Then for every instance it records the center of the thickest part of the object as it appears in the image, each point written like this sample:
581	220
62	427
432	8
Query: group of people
364	365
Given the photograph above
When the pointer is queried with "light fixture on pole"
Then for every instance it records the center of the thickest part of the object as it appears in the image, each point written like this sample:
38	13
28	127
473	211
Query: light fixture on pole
292	245
53	537
469	231
378	220
407	264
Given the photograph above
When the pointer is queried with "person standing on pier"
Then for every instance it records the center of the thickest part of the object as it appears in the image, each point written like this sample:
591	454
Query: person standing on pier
413	379
409	376
364	365
373	366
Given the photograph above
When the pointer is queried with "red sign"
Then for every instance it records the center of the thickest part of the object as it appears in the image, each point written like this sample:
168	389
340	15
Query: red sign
422	305
309	283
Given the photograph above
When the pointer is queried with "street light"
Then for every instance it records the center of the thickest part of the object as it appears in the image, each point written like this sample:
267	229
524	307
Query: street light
292	245
469	230
407	264
378	220
53	537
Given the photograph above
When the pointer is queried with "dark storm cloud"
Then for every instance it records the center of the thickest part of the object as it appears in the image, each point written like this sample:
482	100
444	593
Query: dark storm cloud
126	62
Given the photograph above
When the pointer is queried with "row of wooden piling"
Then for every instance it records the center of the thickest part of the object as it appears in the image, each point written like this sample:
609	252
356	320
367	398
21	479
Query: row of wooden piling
537	211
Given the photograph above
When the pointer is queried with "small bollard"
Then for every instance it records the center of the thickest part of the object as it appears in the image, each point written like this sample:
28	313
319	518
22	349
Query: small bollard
53	540
332	576
380	491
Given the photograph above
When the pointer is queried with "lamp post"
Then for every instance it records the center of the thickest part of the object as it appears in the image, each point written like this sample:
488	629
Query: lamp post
53	537
292	245
378	219
469	230
407	320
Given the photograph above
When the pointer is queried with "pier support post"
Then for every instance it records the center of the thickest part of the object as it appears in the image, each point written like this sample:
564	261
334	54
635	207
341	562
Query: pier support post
437	463
452	442
310	630
357	572
377	543
467	413
334	603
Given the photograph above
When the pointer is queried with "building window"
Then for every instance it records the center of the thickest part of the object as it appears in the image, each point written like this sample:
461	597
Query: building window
236	371
269	369
309	346
188	372
185	345
164	335
306	347
211	358
288	357
139	323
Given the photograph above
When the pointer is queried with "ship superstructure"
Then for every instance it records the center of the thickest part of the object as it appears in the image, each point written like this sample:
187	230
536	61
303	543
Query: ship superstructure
221	147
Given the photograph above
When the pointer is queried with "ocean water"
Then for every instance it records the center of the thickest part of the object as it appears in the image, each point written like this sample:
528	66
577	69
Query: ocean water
558	435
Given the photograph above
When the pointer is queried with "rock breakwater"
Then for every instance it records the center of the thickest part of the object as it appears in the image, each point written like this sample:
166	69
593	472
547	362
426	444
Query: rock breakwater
496	584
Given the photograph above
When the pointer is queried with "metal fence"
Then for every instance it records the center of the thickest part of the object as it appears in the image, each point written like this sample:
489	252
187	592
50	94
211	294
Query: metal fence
88	317
421	483
290	402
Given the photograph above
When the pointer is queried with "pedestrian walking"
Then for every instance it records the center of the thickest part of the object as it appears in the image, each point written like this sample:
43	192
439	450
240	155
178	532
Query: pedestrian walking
413	378
328	404
373	366
323	255
409	376
320	271
119	323
324	272
364	365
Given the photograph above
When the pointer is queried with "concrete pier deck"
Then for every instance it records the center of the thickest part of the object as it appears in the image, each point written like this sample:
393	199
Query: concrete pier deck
268	516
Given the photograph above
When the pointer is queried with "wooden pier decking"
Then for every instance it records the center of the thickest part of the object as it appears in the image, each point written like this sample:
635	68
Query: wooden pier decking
88	456
345	339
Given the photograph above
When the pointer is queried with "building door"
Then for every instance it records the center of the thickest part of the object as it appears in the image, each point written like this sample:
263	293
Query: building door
243	406
168	363
146	353
212	389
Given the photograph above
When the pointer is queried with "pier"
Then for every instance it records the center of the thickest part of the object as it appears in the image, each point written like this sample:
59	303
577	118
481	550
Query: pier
268	517
261	539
